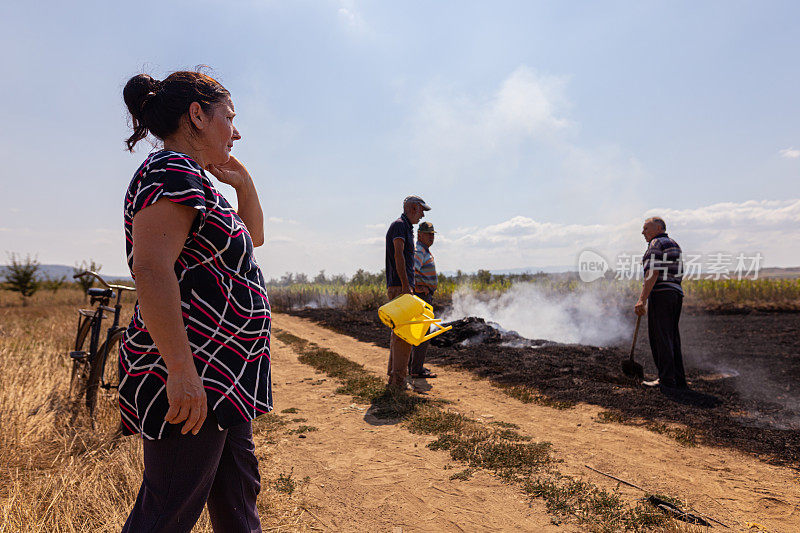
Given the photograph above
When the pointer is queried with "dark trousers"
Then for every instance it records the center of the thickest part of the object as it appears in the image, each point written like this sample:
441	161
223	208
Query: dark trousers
663	315
418	352
182	473
399	350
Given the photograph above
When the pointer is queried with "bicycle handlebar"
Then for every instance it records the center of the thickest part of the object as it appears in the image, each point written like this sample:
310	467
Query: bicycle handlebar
102	281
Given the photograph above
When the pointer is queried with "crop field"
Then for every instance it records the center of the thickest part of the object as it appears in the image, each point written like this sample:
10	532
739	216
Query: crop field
723	296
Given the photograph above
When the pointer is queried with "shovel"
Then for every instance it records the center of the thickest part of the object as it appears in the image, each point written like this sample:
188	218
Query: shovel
631	368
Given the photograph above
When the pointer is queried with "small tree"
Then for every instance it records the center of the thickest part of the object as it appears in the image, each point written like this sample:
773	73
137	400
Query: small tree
320	278
53	284
484	277
338	279
21	276
86	282
361	277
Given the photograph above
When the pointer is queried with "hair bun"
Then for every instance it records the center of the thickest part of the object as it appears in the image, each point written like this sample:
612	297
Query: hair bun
138	91
157	107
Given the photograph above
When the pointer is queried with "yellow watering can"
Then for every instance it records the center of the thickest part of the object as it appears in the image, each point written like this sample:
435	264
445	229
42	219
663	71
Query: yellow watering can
410	317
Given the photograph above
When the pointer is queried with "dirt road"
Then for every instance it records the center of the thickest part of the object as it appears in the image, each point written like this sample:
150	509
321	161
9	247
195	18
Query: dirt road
362	474
367	476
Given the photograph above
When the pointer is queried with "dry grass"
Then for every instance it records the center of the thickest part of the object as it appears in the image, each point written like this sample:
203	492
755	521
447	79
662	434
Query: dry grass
56	473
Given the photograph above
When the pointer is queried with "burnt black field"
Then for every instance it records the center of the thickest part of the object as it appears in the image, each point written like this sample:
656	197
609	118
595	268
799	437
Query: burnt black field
743	370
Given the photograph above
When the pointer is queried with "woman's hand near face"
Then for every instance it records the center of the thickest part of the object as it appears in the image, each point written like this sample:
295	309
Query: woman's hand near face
232	173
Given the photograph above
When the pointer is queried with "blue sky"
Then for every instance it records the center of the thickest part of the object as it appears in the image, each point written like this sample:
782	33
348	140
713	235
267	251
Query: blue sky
534	129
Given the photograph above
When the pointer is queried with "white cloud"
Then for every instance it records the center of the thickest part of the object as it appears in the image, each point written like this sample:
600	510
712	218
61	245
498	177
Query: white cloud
790	153
278	220
370	241
529	103
520	136
348	12
746	227
524	241
279	239
376	226
453	132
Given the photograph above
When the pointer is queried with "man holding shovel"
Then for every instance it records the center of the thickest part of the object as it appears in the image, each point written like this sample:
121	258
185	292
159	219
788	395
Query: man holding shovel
663	270
400	279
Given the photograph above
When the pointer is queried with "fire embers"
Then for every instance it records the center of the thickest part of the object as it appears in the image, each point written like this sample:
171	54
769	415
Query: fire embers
472	330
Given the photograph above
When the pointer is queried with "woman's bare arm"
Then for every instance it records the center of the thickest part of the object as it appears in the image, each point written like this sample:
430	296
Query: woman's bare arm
159	233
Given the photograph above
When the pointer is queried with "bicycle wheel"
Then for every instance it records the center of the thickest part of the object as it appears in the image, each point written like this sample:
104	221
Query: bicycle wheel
79	376
101	392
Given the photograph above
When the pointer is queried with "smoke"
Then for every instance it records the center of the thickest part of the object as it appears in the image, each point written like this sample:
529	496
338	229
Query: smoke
584	316
321	301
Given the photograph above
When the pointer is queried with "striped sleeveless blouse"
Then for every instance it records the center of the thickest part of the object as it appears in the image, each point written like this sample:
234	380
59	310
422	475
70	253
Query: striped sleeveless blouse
224	303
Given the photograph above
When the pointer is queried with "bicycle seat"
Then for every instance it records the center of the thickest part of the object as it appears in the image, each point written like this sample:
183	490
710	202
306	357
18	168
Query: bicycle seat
100	293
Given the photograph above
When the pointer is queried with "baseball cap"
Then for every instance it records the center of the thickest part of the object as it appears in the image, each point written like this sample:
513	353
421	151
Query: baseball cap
417	200
425	227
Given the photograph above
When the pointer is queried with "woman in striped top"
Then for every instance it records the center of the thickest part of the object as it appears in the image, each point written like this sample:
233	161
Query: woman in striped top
195	361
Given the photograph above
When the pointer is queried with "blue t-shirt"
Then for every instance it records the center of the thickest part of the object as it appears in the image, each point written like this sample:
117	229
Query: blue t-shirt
403	229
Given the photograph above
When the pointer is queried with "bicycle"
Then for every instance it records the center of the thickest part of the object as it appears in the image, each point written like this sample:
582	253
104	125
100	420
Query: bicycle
90	371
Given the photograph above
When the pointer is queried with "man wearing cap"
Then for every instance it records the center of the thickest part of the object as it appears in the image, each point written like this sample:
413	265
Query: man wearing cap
400	279
425	283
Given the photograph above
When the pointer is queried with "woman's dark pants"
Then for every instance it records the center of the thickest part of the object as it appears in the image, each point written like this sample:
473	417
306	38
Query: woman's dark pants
663	315
182	473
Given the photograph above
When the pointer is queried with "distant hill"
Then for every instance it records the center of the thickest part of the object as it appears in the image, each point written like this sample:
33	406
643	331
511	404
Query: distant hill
775	272
56	271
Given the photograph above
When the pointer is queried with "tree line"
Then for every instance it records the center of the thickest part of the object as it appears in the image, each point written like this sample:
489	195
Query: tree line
24	276
365	278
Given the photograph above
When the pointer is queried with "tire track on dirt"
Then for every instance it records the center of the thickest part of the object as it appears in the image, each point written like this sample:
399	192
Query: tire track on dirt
370	475
724	484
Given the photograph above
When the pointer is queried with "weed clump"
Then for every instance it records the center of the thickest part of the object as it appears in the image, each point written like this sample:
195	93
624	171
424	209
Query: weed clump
302	429
528	395
464	475
508	425
285	483
605	511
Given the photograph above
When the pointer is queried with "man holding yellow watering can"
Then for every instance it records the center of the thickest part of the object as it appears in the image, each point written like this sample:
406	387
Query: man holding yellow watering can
400	279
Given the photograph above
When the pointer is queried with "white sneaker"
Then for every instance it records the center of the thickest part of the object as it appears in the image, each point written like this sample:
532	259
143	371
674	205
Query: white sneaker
654	383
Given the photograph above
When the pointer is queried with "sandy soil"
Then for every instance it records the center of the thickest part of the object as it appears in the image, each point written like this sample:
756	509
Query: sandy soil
364	474
374	477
